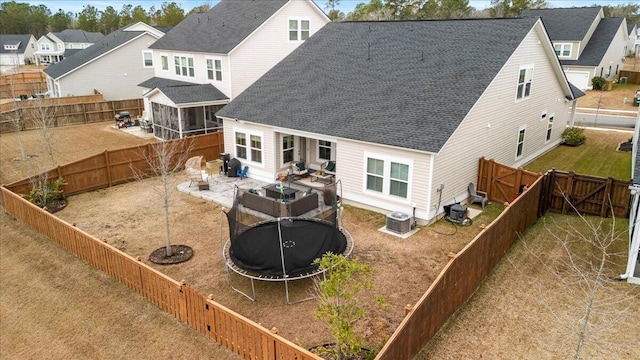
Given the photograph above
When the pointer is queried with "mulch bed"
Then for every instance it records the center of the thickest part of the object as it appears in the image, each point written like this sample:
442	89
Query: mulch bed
179	254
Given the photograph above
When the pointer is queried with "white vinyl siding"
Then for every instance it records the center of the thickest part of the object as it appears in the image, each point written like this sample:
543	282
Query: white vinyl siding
115	75
270	43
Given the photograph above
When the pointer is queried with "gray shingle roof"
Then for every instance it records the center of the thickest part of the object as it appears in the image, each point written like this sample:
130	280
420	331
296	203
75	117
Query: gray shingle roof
221	29
14	39
78	36
569	24
182	92
630	27
101	47
401	83
599	43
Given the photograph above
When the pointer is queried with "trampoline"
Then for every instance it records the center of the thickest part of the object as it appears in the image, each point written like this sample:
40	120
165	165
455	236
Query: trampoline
280	249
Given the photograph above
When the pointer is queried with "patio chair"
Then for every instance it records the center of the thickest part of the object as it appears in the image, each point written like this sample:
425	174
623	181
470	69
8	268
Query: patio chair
299	168
329	167
478	196
243	173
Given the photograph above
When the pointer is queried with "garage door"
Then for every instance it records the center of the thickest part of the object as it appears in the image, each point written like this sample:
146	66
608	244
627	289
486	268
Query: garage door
581	79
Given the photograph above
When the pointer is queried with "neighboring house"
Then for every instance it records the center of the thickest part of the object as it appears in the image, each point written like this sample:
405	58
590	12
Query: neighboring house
632	273
633	37
113	66
209	58
402	111
55	46
16	50
587	43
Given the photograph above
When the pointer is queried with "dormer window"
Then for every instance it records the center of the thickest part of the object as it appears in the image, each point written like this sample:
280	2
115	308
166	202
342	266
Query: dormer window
11	47
298	30
562	50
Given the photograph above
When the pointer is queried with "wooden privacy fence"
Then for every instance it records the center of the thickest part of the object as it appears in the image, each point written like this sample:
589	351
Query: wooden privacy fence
117	166
14	85
46	102
461	277
590	195
502	183
229	329
62	113
633	77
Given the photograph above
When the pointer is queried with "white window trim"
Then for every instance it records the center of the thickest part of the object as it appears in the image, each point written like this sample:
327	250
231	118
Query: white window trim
386	177
248	134
550	121
295	149
213	62
144	60
524	67
333	151
187	57
166	57
524	139
299	36
562	48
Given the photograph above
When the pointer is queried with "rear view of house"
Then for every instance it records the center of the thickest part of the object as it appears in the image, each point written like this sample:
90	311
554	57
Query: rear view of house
401	111
212	57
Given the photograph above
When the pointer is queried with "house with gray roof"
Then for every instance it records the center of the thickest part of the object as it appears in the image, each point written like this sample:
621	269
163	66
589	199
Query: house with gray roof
113	66
16	49
402	113
587	43
55	46
632	29
221	52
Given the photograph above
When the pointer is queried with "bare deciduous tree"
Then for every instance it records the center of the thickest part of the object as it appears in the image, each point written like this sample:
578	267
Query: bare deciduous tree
585	299
161	162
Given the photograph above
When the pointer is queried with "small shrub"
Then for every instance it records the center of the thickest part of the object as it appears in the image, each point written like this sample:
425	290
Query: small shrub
573	136
42	195
597	82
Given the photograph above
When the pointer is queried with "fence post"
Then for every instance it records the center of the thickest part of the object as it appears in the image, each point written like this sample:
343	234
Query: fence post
490	176
606	199
108	164
516	186
479	182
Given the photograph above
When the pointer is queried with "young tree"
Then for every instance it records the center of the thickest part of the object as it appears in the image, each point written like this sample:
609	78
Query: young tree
584	266
126	14
337	304
161	162
139	14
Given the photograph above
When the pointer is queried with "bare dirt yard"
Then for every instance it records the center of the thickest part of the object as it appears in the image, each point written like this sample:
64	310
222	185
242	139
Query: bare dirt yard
94	311
615	98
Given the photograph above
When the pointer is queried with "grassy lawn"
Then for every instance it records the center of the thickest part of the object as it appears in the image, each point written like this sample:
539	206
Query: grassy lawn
598	156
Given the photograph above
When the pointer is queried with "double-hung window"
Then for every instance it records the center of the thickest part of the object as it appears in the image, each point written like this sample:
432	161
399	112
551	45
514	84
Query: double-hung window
214	69
387	176
147	58
250	150
165	62
324	150
520	146
550	126
184	66
298	30
287	148
525	77
562	50
45	47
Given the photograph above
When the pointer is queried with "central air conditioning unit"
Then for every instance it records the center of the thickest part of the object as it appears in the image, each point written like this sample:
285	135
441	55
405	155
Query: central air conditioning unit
398	222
